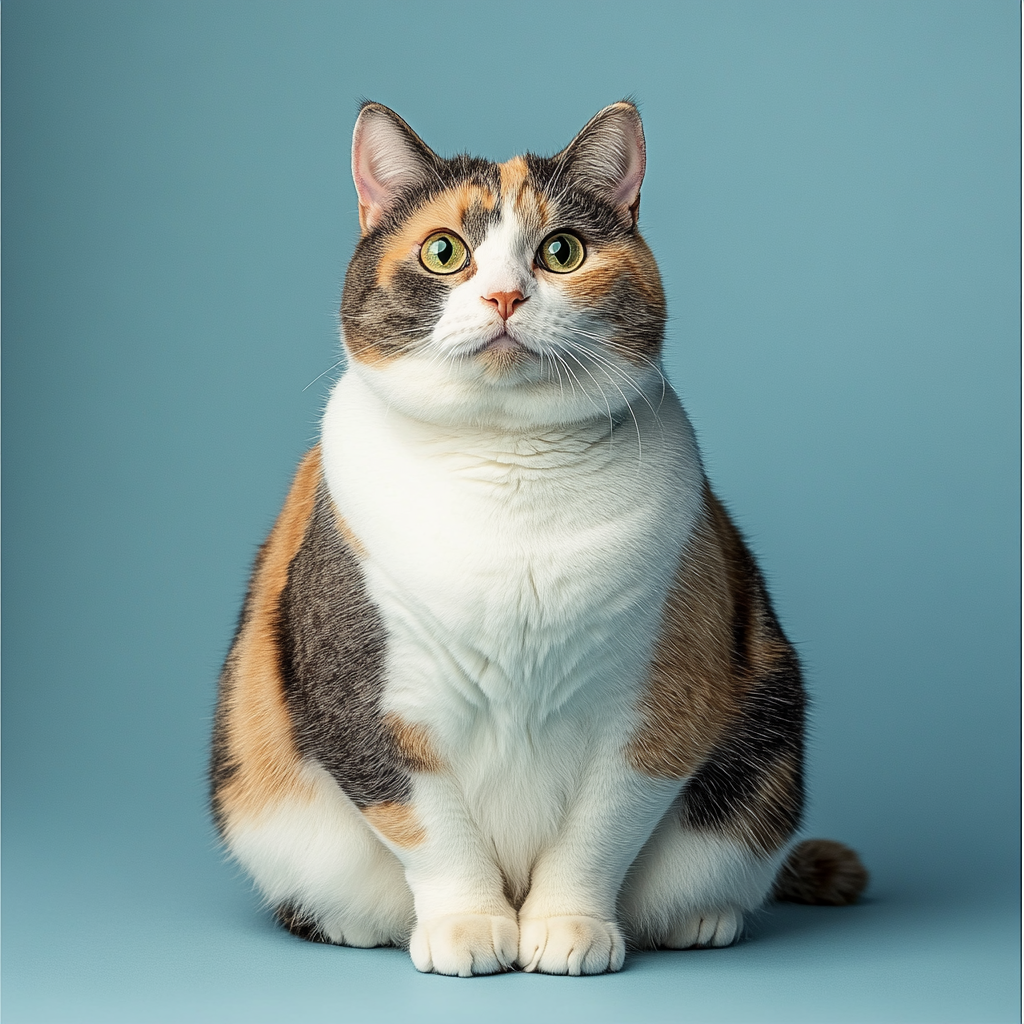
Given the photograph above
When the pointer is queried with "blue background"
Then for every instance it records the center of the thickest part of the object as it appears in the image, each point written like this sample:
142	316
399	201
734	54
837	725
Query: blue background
832	194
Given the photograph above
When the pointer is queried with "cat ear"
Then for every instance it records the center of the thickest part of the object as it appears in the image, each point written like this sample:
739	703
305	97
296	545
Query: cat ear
608	157
388	158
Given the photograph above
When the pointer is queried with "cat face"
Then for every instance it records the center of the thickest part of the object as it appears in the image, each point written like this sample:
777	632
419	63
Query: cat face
507	295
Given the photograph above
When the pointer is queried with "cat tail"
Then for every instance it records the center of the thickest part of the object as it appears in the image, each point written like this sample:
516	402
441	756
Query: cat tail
821	871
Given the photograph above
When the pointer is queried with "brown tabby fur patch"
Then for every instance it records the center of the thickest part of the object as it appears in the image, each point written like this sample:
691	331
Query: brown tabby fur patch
724	702
693	694
765	822
256	764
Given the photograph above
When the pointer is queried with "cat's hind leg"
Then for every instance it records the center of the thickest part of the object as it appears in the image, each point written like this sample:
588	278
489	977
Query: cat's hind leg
318	863
691	888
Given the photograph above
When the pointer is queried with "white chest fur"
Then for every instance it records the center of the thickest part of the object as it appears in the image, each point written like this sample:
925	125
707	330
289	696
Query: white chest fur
528	565
521	578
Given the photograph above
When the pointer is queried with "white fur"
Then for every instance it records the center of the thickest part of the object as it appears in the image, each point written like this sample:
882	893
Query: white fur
689	888
322	855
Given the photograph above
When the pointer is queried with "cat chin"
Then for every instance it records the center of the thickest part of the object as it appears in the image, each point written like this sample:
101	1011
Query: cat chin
514	401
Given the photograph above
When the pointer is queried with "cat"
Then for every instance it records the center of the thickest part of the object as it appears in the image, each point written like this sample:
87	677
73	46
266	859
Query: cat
507	688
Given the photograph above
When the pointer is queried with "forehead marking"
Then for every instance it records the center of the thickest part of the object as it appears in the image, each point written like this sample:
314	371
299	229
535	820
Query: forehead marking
518	195
513	174
445	211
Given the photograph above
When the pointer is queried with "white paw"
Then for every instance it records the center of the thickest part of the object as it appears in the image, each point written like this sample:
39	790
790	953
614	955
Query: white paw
570	945
464	944
708	928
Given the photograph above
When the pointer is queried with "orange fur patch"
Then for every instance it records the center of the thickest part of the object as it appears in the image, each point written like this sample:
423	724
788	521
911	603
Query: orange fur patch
258	731
414	743
396	822
513	175
517	195
442	212
603	269
694	692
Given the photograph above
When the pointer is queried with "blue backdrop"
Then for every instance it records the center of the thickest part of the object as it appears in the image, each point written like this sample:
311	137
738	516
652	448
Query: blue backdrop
832	194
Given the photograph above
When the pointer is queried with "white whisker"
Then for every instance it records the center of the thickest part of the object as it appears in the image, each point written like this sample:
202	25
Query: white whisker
327	371
636	422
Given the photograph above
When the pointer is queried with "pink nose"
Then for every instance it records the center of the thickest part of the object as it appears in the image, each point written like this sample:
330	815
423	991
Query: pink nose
505	302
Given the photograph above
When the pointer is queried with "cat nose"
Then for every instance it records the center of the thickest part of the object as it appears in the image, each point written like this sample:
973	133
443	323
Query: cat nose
505	302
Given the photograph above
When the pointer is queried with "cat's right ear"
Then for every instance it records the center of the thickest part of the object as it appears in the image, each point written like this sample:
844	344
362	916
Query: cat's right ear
388	159
609	157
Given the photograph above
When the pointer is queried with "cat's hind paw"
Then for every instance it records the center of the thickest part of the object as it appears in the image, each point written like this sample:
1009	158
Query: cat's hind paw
570	945
707	928
464	944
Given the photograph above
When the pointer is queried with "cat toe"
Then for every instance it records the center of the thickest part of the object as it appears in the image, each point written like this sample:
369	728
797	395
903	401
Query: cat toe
706	928
464	944
570	945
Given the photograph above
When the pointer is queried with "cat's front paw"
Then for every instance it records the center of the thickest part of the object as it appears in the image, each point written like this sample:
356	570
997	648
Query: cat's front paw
707	928
570	945
464	944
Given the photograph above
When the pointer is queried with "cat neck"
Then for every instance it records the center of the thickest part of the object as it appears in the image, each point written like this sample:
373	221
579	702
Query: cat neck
540	446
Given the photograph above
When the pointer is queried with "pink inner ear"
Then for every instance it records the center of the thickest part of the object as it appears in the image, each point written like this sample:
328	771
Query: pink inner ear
609	156
384	161
635	161
362	174
366	176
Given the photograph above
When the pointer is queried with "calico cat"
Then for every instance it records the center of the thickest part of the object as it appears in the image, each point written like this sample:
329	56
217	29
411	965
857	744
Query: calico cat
507	687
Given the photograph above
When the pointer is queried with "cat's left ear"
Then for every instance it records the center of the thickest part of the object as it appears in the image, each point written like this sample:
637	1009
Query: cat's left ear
388	160
608	158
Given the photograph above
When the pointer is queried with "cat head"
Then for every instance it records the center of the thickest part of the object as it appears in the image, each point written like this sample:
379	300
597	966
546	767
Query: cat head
514	295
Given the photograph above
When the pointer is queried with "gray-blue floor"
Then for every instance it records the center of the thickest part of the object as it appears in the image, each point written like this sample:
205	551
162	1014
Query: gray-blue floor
165	932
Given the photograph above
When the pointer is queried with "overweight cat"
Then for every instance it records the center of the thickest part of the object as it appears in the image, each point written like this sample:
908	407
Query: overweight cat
507	687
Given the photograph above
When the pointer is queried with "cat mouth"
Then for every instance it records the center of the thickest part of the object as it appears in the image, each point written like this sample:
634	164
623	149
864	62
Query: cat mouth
502	355
504	342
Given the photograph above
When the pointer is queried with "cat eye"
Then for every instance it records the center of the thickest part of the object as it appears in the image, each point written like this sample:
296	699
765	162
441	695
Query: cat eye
561	253
444	253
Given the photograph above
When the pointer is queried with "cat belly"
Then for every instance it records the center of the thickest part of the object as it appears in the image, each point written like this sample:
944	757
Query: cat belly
518	710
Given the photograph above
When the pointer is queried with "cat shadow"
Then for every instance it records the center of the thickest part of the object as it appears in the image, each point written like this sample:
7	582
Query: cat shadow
783	920
778	923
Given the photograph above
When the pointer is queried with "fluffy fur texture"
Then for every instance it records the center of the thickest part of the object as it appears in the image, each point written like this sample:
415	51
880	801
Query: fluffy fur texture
508	687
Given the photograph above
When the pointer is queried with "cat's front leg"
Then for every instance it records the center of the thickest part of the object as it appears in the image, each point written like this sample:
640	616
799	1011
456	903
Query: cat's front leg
567	924
464	923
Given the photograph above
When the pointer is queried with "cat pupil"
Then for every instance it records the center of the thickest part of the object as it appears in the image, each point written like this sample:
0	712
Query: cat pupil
559	250
443	249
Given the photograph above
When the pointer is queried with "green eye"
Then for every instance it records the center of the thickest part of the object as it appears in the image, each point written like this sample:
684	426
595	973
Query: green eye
444	253
561	253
